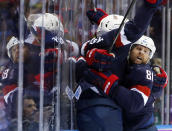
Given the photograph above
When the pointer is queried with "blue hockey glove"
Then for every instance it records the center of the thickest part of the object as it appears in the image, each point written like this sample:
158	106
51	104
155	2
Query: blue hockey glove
95	16
105	81
80	66
160	82
99	59
52	55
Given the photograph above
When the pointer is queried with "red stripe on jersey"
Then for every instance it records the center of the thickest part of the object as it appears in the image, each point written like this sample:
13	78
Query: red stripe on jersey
119	42
9	88
46	76
143	89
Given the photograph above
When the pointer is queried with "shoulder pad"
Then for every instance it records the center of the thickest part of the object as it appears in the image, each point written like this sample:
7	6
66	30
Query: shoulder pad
140	74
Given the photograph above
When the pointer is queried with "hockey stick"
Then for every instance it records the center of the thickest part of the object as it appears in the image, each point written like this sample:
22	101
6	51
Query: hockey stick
121	25
51	6
92	5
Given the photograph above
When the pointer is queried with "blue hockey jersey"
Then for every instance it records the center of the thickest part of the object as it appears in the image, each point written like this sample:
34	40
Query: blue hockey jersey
31	71
31	78
134	96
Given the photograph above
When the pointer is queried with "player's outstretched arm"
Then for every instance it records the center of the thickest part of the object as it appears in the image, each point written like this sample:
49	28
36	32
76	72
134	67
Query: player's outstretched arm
131	32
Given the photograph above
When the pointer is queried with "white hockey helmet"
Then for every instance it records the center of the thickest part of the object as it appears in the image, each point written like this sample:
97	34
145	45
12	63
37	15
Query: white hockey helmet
74	48
109	23
12	42
51	23
146	42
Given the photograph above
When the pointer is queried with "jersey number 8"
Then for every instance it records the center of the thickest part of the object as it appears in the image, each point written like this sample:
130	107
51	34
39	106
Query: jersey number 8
149	75
5	74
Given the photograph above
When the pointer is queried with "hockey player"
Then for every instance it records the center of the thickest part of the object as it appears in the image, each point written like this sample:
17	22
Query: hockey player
9	76
89	101
137	100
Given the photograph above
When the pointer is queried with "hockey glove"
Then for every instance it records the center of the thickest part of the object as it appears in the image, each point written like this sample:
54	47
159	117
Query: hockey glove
80	66
155	3
73	48
160	82
105	81
99	59
51	55
95	16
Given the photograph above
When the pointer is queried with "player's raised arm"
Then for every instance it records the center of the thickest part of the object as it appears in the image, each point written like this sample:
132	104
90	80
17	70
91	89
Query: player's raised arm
108	26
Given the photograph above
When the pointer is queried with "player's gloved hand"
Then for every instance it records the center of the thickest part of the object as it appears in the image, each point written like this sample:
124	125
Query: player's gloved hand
73	48
105	81
51	56
96	15
160	82
80	66
99	59
155	3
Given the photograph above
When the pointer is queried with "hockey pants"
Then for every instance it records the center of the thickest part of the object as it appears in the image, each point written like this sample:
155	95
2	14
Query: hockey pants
100	114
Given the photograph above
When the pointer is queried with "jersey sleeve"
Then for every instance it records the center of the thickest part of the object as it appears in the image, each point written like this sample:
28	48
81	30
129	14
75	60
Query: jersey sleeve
135	28
130	33
9	80
134	95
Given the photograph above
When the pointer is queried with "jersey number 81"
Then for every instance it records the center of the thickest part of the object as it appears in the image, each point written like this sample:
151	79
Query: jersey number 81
149	75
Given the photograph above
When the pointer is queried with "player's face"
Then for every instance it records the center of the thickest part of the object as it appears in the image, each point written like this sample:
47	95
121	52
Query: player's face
139	55
29	108
15	53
